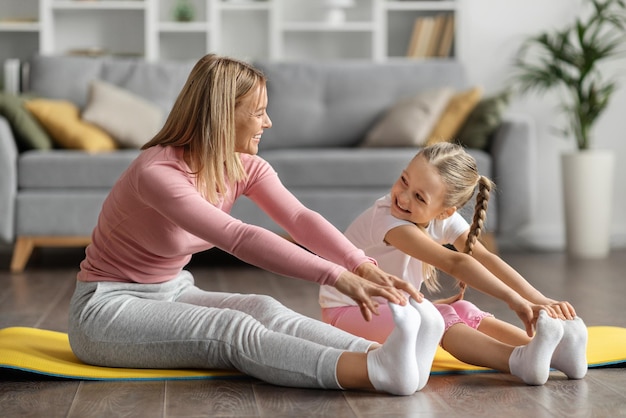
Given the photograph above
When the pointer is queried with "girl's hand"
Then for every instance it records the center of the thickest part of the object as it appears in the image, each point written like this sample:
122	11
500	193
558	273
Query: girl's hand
528	313
371	272
561	310
362	291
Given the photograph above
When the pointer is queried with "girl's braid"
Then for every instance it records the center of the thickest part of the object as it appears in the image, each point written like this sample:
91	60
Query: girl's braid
480	213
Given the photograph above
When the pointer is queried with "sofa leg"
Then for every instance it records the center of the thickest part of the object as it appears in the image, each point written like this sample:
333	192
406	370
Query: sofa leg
22	250
24	247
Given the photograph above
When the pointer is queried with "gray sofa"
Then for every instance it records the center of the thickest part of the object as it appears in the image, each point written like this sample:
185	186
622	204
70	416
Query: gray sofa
320	111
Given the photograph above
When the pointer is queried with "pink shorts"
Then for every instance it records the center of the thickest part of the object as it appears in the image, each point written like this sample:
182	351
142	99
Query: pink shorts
349	318
461	311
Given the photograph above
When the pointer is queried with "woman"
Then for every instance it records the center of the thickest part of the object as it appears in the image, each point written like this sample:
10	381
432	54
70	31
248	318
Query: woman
135	306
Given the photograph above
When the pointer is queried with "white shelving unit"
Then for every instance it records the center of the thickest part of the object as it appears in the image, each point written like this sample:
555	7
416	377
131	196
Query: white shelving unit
117	27
19	29
376	30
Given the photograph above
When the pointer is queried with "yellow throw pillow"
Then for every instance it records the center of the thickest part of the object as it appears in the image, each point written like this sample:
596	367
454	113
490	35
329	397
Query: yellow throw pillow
61	119
453	117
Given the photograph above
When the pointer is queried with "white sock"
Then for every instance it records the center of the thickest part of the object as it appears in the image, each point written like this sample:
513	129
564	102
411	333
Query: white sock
570	355
531	362
392	368
428	338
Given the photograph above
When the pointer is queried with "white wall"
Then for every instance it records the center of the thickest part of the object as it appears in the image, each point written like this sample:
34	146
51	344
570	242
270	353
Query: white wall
490	33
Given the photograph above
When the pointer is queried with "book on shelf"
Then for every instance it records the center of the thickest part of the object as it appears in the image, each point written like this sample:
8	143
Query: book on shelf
432	36
420	39
437	34
417	26
447	37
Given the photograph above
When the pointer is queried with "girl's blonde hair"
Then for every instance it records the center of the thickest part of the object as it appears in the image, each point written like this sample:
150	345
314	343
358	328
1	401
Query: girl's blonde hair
202	121
459	172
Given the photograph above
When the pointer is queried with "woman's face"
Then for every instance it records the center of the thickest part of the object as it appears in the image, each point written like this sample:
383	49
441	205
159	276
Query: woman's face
250	120
418	195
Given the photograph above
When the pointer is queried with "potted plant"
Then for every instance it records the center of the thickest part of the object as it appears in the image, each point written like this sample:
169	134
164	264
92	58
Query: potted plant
569	60
183	11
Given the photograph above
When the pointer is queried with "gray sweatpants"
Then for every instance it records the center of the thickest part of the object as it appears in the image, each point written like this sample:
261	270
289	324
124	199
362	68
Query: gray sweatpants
177	325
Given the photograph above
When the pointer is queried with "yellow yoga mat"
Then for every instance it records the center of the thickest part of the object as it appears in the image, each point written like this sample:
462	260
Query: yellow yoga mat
48	353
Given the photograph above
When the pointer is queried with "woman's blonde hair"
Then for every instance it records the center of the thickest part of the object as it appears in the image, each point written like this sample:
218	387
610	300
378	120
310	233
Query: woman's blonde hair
459	172
202	121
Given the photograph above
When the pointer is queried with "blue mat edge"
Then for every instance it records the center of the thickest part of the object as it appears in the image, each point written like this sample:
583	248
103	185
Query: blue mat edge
236	377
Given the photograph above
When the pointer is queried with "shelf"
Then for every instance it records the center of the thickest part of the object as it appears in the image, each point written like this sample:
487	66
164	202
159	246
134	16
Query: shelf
377	30
245	6
179	27
6	26
328	27
441	5
99	5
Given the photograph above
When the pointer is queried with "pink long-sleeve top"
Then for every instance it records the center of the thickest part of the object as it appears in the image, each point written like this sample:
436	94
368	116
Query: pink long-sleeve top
154	219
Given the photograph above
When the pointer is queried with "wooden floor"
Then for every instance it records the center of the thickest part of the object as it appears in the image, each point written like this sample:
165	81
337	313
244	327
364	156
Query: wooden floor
39	298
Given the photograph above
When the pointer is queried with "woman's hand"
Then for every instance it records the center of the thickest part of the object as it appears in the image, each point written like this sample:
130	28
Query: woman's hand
371	272
362	291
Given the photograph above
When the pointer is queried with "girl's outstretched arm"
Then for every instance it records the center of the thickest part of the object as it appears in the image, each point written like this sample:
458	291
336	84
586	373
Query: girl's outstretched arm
509	276
414	242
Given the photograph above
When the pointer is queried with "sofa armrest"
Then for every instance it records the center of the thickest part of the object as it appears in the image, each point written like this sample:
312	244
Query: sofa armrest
513	150
8	181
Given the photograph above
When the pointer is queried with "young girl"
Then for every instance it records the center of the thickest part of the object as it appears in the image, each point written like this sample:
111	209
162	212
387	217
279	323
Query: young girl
404	231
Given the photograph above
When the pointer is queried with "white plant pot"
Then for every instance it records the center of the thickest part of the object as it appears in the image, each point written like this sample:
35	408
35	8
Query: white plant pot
588	198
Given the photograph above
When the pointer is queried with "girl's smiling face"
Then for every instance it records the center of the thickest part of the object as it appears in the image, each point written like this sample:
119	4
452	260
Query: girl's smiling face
418	195
250	120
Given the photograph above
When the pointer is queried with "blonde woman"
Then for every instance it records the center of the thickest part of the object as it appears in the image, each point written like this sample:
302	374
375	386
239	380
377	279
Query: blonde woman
134	304
404	231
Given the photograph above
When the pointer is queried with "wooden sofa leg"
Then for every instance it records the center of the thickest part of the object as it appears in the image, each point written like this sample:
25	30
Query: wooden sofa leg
22	250
24	247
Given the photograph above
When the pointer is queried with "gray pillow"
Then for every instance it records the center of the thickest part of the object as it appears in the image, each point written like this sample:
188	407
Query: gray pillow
131	120
409	122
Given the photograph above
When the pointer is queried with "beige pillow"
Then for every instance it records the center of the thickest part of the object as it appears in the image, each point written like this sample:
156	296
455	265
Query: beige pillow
129	119
453	117
408	122
61	119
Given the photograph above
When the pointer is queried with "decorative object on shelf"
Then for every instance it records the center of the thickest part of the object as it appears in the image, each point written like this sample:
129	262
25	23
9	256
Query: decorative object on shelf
335	10
12	76
569	60
183	11
94	51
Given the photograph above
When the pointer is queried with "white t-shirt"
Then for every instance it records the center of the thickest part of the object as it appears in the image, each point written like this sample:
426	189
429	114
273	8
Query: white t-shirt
368	231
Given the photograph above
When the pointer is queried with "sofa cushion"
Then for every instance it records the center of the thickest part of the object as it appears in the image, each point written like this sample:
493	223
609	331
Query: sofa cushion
129	119
159	82
348	167
408	122
454	115
68	169
335	104
29	134
62	121
339	167
69	77
63	77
